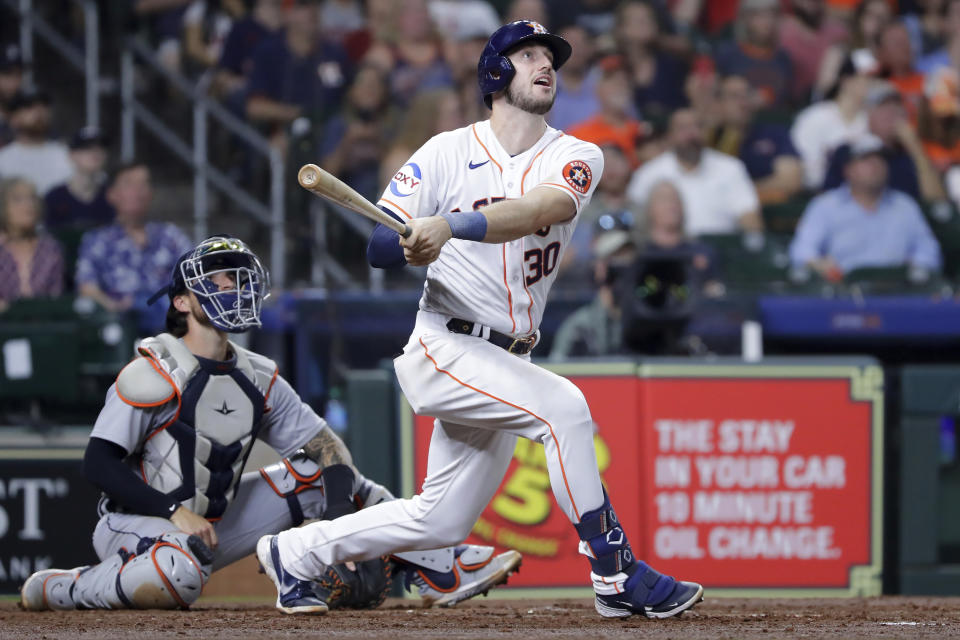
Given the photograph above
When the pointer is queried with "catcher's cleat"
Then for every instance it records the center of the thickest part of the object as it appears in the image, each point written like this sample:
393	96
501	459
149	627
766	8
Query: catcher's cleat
646	592
475	570
293	595
49	589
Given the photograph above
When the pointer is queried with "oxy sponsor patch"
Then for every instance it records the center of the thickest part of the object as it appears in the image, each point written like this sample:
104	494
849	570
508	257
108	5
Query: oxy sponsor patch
578	175
406	181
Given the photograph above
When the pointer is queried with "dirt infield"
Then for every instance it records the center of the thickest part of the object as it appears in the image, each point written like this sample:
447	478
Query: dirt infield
887	617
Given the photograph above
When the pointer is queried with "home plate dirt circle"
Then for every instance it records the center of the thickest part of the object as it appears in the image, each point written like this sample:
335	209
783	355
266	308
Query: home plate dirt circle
867	618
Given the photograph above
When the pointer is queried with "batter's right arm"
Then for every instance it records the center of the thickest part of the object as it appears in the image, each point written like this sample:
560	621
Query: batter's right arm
497	223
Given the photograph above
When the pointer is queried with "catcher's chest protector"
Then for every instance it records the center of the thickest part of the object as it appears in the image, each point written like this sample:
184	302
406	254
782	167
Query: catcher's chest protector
198	457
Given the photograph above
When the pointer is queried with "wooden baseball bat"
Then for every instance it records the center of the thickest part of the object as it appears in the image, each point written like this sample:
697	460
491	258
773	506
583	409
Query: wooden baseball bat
326	185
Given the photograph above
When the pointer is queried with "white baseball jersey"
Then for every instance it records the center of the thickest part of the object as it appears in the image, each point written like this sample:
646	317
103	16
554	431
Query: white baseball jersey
502	286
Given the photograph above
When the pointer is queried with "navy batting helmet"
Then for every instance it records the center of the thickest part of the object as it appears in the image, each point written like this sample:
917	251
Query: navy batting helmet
495	71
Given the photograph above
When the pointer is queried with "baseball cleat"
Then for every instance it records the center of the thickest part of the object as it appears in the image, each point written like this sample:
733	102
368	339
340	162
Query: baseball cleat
293	595
50	589
646	592
475	570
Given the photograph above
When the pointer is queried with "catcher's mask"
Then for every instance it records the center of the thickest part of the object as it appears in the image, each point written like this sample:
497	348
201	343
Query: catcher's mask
234	308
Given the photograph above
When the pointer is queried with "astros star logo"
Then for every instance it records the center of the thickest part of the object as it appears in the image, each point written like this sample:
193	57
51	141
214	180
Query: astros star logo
578	175
537	27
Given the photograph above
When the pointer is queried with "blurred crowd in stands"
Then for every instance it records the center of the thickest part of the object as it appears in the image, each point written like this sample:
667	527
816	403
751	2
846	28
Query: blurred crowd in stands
830	126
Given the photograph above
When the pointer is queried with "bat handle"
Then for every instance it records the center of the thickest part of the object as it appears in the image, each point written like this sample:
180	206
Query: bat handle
406	231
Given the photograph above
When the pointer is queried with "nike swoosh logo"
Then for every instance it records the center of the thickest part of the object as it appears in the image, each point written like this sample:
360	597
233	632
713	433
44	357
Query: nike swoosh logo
478	165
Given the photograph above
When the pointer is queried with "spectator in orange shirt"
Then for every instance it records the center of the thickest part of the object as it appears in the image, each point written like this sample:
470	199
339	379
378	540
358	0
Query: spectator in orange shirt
939	125
614	124
895	56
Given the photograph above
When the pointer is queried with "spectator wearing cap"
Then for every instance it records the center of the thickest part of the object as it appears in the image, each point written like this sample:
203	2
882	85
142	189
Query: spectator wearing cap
577	81
756	55
825	125
765	148
718	195
807	31
910	170
614	123
864	222
121	265
657	76
31	262
32	155
296	73
11	82
81	202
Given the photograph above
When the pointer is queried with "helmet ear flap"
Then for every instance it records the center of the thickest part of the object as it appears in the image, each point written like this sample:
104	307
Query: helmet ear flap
495	75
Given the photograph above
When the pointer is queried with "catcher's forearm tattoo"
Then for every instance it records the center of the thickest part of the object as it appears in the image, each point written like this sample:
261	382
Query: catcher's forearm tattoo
326	449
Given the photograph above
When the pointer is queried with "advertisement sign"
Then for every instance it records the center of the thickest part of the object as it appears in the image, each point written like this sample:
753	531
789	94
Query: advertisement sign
47	514
752	479
762	481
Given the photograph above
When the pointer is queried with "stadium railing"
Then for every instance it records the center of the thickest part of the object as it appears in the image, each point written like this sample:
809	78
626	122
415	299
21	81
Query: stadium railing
85	59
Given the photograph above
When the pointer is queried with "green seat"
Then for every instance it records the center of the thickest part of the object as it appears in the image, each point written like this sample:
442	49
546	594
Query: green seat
104	340
39	359
69	240
882	275
751	262
944	221
784	216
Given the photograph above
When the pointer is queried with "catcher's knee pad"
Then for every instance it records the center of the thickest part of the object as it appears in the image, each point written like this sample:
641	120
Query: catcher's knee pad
166	573
292	476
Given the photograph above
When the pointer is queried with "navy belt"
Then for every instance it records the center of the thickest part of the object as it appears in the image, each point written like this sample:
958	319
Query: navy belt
517	346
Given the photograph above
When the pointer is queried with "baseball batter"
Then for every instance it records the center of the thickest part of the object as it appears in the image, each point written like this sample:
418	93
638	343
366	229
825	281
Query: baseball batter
169	446
492	207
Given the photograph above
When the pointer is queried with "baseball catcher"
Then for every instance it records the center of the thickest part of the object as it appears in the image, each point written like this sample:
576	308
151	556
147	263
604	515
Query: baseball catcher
168	449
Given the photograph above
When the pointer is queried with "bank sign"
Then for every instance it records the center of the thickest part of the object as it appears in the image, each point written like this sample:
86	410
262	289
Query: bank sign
751	479
47	514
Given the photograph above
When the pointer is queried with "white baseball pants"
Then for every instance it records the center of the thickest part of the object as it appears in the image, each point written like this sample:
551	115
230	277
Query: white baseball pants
482	398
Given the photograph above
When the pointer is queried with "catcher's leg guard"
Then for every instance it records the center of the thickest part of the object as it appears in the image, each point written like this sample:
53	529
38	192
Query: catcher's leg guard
49	589
292	476
166	573
624	586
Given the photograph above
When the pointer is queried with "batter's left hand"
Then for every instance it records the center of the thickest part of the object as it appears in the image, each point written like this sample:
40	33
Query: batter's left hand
424	244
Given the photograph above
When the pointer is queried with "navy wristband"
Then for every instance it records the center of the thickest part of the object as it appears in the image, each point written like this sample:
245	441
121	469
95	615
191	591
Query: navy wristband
467	225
